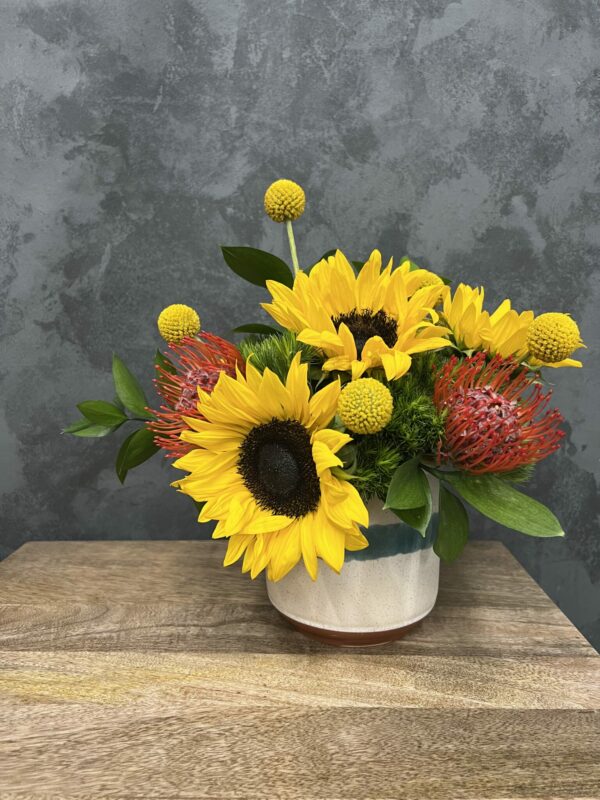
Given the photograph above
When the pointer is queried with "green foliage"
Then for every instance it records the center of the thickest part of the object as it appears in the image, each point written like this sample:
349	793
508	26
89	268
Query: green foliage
413	432
88	430
101	417
409	495
128	389
416	426
137	448
453	527
500	501
102	413
418	518
375	462
256	327
408	487
257	266
276	352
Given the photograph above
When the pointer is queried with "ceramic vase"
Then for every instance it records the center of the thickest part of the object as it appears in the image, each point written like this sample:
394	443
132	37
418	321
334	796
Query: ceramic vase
380	594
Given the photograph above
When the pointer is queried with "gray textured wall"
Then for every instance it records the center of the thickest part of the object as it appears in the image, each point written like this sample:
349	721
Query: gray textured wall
138	135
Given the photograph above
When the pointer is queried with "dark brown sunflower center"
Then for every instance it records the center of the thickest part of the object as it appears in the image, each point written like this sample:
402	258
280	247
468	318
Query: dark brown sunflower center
277	467
364	323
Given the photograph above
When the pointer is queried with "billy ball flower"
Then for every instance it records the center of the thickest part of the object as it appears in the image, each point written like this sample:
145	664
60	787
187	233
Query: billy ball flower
365	406
552	338
284	201
177	321
496	416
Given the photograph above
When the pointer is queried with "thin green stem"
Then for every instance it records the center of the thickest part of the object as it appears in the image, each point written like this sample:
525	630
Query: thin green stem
290	233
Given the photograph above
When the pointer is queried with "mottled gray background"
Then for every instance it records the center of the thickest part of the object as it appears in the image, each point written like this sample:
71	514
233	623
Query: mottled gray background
138	135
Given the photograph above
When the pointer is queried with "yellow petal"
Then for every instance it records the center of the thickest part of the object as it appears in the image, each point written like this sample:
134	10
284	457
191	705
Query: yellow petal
566	362
323	405
324	458
395	364
347	340
358	368
324	340
334	440
307	543
341	363
235	549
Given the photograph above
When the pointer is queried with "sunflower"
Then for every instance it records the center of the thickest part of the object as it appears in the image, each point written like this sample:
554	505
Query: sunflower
359	322
262	466
503	332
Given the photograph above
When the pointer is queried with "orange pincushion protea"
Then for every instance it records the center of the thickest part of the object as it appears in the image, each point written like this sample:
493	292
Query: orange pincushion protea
496	417
197	363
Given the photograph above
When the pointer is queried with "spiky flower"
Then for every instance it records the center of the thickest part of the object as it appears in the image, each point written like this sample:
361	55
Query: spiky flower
552	338
496	417
365	406
284	200
192	364
177	321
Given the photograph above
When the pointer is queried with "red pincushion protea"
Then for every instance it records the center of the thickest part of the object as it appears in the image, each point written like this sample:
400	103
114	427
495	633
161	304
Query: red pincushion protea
496	416
198	362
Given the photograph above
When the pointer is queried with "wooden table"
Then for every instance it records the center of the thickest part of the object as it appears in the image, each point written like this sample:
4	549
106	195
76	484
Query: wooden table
146	670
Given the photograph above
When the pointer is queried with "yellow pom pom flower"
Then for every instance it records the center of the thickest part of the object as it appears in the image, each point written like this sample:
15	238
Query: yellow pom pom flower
284	201
365	406
176	321
551	339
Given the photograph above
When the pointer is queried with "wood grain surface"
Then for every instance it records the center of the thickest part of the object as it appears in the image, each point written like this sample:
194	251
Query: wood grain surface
145	670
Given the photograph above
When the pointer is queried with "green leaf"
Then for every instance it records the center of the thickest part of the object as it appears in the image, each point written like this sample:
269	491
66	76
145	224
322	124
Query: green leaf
74	427
257	266
453	527
101	413
408	487
91	431
137	448
162	361
129	391
418	518
501	502
257	327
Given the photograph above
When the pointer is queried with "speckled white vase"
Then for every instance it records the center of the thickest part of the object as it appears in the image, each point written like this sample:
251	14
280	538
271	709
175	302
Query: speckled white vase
380	594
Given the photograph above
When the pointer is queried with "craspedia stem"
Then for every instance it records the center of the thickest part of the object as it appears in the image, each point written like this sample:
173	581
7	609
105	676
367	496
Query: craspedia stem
290	233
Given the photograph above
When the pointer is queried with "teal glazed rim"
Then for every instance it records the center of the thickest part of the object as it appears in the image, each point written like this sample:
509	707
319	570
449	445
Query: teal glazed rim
393	540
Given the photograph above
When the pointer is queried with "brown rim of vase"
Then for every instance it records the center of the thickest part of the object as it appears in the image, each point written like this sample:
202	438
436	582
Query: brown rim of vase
351	638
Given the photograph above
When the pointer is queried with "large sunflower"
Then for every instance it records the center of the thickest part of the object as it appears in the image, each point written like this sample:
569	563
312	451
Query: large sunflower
262	465
359	322
503	332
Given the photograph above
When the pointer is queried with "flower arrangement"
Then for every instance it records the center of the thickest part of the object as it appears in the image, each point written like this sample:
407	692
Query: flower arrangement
375	383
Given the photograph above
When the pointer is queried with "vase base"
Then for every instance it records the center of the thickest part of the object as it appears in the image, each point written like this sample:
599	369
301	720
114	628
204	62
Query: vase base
351	638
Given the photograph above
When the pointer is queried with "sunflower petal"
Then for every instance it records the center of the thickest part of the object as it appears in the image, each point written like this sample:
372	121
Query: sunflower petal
323	405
